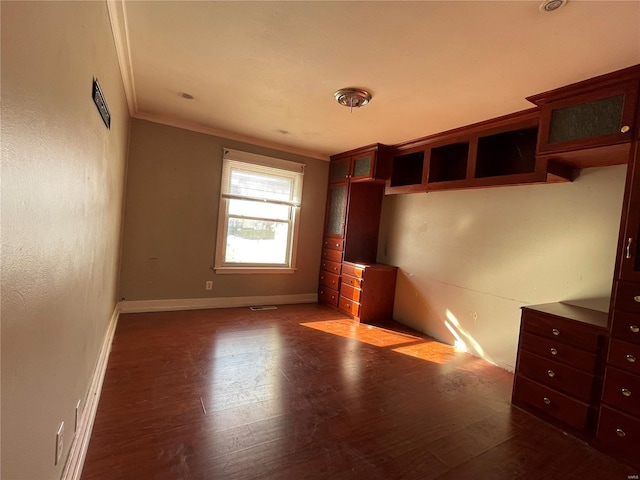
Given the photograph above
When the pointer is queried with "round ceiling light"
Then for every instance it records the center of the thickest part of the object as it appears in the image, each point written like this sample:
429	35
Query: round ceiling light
352	97
551	5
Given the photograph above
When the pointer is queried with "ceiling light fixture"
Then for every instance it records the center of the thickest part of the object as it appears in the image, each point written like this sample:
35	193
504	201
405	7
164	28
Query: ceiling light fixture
352	97
551	5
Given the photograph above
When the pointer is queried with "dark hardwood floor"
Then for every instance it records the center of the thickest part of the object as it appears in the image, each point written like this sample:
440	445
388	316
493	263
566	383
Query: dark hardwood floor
304	392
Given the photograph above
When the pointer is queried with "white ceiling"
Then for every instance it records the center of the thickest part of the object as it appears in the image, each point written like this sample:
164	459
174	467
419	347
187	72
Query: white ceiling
265	72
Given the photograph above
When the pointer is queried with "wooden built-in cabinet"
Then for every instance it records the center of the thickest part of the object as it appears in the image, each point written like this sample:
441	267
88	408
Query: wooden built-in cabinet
501	151
352	220
367	291
559	368
599	112
577	368
587	124
597	390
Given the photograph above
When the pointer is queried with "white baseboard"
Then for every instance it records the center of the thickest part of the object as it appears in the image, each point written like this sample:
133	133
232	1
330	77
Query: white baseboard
77	454
139	306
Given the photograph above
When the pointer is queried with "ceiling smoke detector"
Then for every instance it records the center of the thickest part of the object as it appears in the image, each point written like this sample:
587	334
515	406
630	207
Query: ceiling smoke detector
352	97
551	5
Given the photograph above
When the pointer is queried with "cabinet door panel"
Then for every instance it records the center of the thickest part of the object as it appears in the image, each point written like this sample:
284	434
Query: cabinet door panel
340	170
629	243
336	210
589	120
363	166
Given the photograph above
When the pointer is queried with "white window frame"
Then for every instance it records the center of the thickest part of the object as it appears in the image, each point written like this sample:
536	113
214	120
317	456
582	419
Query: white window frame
252	162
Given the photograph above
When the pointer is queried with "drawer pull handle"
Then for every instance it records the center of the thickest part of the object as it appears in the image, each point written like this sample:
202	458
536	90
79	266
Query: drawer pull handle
551	373
546	401
629	240
625	129
555	331
626	392
631	358
620	432
553	351
636	298
634	328
333	297
337	244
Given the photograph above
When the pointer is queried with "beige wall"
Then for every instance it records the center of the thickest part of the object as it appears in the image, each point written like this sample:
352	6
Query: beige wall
476	256
62	190
172	195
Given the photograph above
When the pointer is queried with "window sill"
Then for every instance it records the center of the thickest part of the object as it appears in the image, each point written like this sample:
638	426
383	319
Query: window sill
253	270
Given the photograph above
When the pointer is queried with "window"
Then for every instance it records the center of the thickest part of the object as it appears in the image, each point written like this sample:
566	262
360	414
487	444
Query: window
259	210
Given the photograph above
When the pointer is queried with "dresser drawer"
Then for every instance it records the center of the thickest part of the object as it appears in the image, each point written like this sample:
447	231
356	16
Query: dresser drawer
331	255
553	403
352	270
349	306
628	297
626	326
332	243
620	433
328	266
625	356
351	281
561	330
329	280
328	295
350	292
560	352
556	375
622	391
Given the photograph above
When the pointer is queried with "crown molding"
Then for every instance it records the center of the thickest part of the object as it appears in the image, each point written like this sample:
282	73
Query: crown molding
228	135
120	31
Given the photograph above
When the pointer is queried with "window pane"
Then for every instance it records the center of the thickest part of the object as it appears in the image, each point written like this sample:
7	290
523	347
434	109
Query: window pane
247	208
256	241
256	185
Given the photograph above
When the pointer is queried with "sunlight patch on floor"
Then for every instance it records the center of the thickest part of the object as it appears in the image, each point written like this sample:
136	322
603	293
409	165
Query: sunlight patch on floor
361	332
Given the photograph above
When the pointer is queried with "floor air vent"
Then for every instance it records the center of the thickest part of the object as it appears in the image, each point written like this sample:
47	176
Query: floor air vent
263	307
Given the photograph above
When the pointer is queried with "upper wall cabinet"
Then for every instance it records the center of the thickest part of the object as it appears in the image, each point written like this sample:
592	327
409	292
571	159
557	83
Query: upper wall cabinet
501	151
590	119
364	164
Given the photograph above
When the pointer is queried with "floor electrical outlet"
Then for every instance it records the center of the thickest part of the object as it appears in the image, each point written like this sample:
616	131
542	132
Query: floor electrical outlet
59	442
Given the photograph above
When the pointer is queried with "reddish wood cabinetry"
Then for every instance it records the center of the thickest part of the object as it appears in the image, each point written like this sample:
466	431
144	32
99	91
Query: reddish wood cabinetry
352	220
599	112
559	367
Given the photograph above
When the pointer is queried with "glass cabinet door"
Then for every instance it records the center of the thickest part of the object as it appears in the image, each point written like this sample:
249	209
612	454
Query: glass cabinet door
339	170
589	120
336	209
363	166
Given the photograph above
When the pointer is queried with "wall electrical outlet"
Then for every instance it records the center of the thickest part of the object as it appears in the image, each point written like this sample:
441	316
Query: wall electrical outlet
59	442
208	285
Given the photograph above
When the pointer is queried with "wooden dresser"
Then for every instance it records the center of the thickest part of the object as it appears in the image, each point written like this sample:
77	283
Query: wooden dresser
559	366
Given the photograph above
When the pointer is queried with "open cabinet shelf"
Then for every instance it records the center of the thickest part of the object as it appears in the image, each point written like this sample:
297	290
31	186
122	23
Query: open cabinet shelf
501	151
